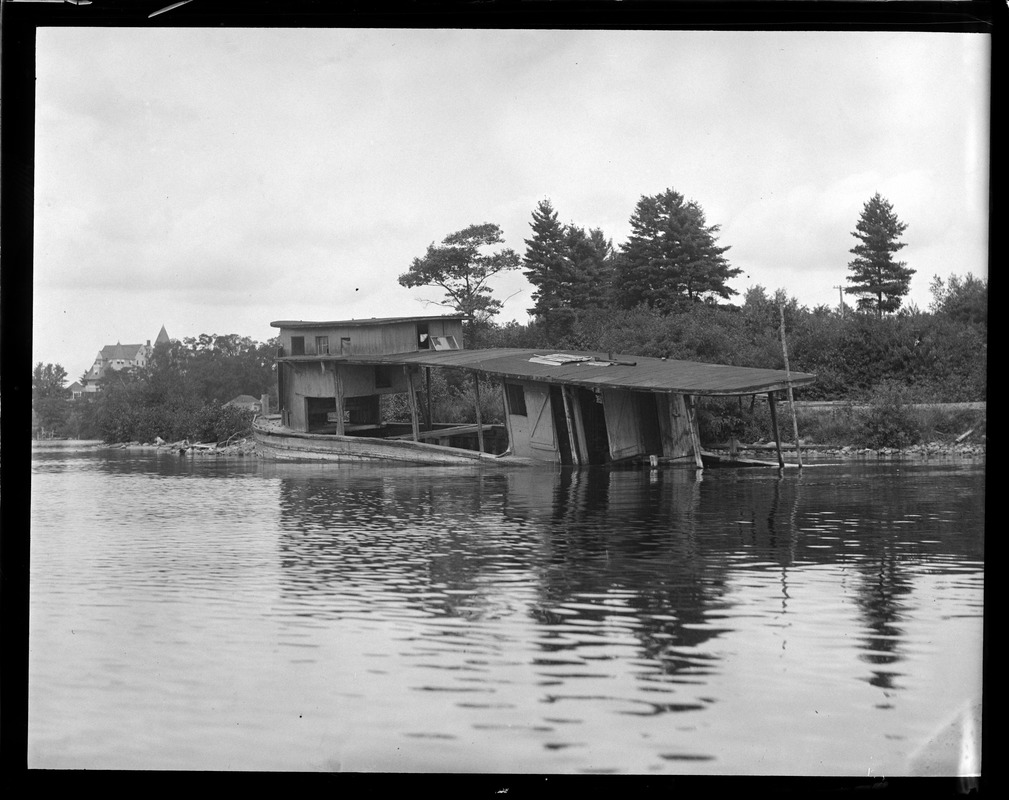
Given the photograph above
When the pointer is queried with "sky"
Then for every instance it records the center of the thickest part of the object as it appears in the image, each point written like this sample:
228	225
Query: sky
215	180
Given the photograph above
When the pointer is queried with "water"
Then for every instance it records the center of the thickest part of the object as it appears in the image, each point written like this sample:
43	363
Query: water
231	614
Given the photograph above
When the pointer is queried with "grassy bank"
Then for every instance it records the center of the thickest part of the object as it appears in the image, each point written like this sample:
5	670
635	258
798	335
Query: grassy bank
887	422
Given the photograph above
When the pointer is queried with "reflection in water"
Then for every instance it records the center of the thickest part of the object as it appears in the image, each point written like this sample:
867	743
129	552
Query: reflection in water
533	620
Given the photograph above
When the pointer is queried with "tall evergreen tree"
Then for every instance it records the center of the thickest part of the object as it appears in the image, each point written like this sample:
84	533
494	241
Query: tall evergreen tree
878	280
671	255
546	262
591	256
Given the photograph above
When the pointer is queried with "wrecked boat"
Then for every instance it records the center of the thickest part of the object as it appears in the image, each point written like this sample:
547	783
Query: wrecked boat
563	408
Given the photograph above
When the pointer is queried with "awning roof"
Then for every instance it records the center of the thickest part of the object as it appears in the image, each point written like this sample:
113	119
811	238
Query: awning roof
597	370
364	321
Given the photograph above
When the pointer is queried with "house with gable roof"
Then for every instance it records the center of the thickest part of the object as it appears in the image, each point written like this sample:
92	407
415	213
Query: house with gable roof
120	356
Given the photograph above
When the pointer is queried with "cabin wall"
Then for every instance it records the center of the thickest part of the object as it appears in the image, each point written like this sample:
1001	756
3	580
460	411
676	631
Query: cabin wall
379	339
674	426
531	428
319	379
632	424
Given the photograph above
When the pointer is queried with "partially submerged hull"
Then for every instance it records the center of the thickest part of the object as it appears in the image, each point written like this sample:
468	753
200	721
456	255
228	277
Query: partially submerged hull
276	442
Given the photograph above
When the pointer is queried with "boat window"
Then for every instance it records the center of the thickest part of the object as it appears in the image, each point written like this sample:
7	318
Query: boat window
297	345
444	343
423	340
516	399
344	345
322	345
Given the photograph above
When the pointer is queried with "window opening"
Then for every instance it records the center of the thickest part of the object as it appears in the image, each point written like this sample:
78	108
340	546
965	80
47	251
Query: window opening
516	400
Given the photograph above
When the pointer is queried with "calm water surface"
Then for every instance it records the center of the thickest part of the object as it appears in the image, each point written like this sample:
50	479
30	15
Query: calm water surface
237	615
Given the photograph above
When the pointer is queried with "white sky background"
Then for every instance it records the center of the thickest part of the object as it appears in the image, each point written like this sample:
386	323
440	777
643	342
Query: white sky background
215	180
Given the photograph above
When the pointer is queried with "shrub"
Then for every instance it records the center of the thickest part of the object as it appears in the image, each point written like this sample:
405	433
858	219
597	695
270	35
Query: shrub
889	421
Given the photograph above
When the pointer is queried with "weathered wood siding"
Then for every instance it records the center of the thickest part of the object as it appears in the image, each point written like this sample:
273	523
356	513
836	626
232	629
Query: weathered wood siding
532	435
379	339
674	425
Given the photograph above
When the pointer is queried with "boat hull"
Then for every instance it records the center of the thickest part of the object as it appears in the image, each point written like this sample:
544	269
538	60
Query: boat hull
278	443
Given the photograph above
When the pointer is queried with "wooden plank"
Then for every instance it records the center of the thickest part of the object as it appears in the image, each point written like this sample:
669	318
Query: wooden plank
414	415
774	427
338	380
695	434
479	422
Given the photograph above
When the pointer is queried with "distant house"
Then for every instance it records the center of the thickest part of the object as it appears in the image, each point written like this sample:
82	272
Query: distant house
246	401
75	390
120	356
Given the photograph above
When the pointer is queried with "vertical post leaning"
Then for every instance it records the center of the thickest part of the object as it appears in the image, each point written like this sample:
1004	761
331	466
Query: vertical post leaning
338	380
774	428
479	420
788	380
695	436
414	415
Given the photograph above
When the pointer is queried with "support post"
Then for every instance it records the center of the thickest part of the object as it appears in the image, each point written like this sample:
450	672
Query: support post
479	421
695	435
414	415
788	379
338	380
774	427
427	395
572	434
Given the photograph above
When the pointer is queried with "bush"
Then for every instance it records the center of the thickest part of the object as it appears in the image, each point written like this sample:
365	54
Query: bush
889	420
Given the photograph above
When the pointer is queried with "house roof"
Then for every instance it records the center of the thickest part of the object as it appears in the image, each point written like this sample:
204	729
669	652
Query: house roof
126	352
344	323
242	399
596	370
162	336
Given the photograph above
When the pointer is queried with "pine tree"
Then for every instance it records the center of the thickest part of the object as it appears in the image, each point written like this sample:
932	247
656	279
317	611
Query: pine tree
461	266
546	262
671	255
879	281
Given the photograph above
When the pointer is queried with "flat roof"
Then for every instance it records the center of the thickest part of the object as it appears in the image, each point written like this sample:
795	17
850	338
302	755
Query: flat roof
344	323
595	370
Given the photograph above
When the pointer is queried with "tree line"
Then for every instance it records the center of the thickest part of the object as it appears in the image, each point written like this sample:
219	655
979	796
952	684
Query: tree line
670	261
664	292
182	393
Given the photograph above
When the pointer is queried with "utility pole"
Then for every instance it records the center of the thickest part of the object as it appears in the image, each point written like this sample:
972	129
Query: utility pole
840	293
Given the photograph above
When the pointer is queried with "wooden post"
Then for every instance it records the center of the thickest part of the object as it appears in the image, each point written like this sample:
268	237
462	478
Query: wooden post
414	415
774	427
695	436
427	395
572	434
338	380
479	421
788	379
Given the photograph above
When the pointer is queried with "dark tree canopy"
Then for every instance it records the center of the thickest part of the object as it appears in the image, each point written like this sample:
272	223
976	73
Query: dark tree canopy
878	280
546	262
48	380
461	267
671	255
569	268
962	299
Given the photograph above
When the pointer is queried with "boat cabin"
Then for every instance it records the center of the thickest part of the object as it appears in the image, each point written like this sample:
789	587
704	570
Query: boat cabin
559	408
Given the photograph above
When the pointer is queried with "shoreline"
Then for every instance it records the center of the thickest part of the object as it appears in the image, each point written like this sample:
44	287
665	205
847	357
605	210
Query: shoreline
246	447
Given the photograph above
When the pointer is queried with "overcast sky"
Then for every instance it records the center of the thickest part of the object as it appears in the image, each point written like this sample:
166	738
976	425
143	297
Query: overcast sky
214	180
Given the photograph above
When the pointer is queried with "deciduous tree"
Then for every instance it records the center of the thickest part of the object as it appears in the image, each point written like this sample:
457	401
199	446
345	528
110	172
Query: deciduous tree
48	380
461	266
878	280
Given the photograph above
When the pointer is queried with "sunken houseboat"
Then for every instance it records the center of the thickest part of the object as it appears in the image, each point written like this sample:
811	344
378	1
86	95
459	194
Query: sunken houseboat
566	408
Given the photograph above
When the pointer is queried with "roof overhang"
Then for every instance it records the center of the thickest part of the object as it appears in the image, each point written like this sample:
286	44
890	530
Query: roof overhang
593	370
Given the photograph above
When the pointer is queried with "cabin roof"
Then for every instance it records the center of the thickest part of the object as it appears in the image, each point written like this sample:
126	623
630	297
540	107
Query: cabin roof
367	321
599	370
